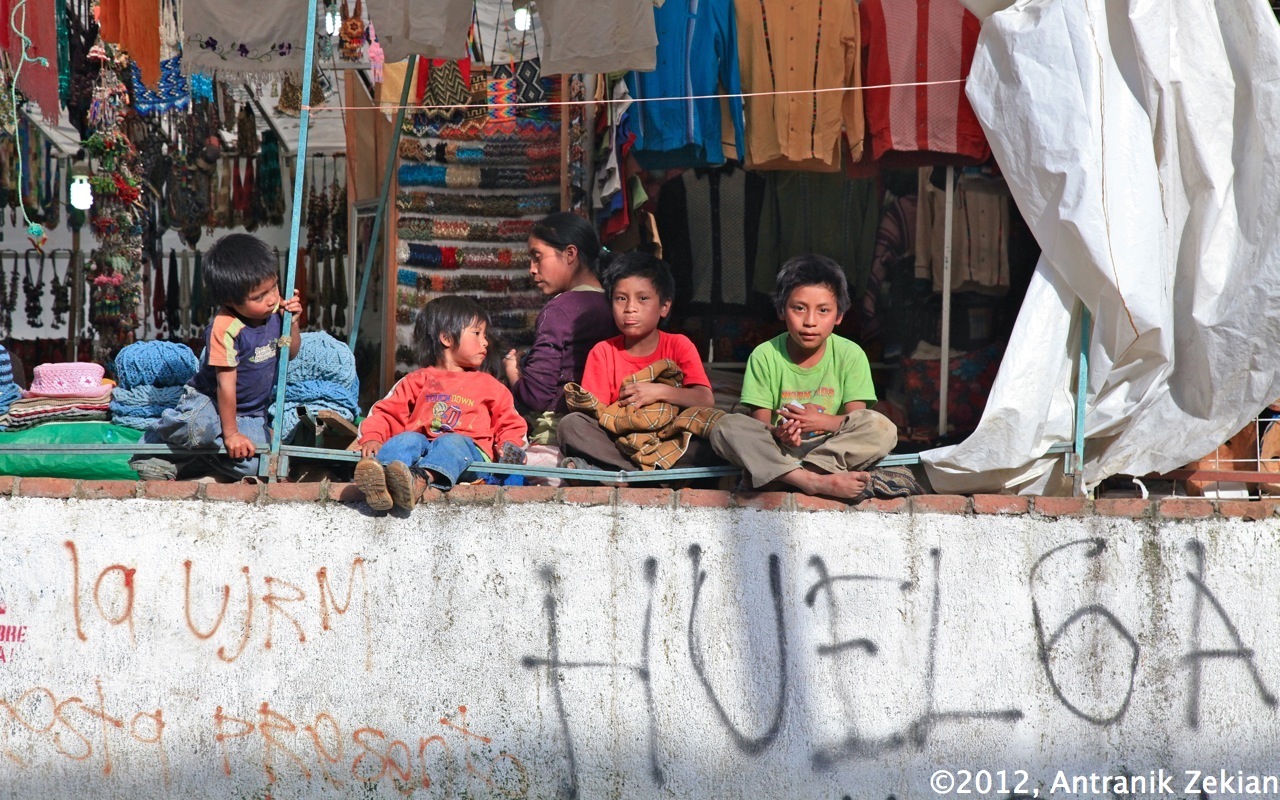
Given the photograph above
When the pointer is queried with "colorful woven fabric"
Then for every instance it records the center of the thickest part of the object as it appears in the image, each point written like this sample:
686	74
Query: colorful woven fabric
172	93
528	130
461	176
479	153
487	205
432	256
425	229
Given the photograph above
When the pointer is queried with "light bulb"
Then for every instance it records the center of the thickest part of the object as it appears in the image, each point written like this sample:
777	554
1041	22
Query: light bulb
81	193
523	19
332	21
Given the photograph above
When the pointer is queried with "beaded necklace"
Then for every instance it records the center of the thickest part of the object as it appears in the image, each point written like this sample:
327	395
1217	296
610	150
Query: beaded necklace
61	291
9	295
34	291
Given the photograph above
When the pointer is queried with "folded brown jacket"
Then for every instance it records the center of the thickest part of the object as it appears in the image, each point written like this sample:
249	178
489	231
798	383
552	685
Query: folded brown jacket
653	436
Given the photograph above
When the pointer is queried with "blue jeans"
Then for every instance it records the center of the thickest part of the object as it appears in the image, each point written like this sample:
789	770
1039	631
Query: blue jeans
195	423
445	457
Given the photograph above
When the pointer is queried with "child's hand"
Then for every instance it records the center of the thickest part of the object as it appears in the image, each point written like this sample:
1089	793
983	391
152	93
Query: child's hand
239	445
641	394
810	419
370	449
293	305
511	362
787	432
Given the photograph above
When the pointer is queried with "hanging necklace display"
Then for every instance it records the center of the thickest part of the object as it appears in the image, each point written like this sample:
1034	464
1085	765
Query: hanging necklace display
338	205
33	290
340	297
313	280
250	213
199	306
326	294
159	302
269	186
351	36
61	290
50	202
246	132
8	295
173	302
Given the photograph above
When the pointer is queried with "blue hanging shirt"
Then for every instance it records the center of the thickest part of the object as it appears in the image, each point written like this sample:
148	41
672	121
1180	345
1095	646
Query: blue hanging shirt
697	56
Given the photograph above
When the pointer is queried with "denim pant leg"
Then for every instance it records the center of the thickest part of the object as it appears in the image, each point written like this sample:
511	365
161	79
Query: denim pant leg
255	428
407	448
448	456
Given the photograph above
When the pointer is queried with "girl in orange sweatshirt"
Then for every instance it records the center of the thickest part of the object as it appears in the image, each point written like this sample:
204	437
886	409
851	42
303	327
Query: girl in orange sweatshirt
436	421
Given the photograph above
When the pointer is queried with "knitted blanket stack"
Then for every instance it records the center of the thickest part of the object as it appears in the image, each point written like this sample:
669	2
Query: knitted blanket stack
322	377
9	391
151	376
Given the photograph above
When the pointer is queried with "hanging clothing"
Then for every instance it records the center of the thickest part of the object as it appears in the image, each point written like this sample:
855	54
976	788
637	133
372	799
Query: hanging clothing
439	33
233	37
591	36
709	221
929	40
697	56
832	215
780	51
979	232
36	82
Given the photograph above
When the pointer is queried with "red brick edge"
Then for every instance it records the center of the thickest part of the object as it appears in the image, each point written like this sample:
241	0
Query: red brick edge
1168	508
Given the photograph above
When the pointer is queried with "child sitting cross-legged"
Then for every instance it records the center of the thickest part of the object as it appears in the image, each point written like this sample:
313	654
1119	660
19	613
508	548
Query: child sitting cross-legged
809	391
638	369
438	420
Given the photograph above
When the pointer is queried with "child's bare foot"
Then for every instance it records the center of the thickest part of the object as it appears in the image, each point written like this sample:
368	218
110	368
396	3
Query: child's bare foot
372	480
841	485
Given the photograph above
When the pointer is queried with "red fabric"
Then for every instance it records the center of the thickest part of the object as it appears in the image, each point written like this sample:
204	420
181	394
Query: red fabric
608	364
36	82
928	40
433	401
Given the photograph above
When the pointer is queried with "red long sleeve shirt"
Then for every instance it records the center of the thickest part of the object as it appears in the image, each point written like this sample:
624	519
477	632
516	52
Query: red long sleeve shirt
434	401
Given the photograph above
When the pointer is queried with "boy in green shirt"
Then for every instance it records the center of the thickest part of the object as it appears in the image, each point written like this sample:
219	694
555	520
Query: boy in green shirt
809	392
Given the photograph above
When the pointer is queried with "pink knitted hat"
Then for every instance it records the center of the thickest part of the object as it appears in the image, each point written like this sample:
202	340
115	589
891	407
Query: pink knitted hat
71	379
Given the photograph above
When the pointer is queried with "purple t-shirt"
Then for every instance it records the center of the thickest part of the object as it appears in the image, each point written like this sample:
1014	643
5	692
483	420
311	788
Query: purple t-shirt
569	325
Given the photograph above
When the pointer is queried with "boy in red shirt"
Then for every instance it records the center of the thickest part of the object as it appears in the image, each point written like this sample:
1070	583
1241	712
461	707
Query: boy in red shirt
438	420
640	291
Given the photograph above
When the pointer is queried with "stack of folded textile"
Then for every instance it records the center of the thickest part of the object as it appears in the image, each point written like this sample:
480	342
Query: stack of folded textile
9	390
322	377
151	376
60	393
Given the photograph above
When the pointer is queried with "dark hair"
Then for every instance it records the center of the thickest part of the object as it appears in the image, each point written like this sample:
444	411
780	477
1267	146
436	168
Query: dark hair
810	269
234	265
444	316
495	359
565	228
641	265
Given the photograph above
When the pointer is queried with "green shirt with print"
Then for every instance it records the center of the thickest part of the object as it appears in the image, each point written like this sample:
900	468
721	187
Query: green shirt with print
843	375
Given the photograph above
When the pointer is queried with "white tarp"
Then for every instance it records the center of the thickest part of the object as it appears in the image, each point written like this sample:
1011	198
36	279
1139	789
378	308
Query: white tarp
1141	141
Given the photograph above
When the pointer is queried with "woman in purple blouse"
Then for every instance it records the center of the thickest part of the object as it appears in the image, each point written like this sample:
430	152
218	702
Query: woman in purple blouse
564	254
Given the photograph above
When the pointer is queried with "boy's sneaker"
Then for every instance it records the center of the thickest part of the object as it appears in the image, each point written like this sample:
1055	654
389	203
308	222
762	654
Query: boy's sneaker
404	487
154	469
372	480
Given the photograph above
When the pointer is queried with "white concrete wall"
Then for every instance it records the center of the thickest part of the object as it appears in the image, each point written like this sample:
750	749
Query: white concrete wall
640	653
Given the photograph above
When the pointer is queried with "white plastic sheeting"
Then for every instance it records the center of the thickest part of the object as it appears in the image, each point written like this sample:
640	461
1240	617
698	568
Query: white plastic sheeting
1141	141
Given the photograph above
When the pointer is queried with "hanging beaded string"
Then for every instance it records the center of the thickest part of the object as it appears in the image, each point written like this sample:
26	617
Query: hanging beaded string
8	295
34	229
61	291
34	291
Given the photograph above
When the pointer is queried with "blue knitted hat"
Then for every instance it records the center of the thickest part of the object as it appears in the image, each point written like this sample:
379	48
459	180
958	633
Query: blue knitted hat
6	368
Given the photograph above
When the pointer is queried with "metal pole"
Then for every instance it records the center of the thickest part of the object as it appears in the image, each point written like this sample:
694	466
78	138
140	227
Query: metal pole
1082	391
291	271
387	174
944	364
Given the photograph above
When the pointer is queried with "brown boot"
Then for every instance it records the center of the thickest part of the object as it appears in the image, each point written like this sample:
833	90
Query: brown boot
404	486
372	480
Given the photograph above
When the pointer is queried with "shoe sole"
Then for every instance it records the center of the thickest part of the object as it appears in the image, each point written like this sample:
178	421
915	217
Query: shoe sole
372	480
399	481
